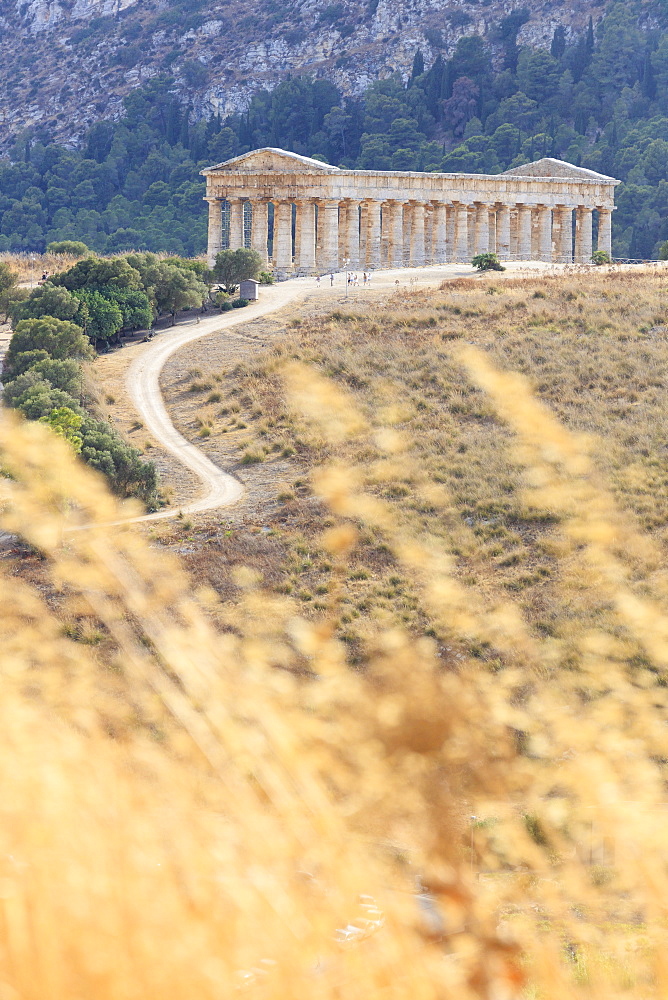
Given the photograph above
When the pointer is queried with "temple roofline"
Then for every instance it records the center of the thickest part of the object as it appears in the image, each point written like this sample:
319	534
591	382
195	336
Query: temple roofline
545	170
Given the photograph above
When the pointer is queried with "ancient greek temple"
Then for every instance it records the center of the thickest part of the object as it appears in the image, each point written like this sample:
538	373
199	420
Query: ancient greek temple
308	217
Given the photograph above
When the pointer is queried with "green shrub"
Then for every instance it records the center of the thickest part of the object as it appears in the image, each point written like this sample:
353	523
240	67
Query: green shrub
72	248
601	257
266	278
226	306
239	303
487	262
64	422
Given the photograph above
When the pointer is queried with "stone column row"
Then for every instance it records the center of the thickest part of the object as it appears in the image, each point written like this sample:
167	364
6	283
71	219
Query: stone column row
329	235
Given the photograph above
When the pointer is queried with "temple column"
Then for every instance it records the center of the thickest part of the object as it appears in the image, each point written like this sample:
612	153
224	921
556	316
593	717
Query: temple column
305	256
215	239
535	245
328	236
524	232
605	230
364	209
343	229
373	234
282	238
429	233
439	252
461	233
395	250
385	233
513	233
236	223
259	224
491	221
503	231
583	235
407	228
544	233
472	218
352	234
417	234
481	228
450	230
565	241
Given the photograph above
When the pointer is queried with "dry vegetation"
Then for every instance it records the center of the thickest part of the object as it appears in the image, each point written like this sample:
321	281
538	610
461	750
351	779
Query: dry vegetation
595	348
188	811
31	266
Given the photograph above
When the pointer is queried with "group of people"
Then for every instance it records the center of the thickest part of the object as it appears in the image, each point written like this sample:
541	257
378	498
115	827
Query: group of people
352	279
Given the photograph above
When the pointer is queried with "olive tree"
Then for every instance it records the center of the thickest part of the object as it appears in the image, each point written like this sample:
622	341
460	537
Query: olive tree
59	338
46	300
233	266
70	248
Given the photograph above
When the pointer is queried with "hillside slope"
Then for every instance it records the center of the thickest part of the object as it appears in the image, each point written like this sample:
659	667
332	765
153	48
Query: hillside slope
429	445
67	63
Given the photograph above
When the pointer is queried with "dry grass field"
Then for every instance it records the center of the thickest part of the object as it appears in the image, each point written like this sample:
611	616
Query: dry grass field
594	348
202	798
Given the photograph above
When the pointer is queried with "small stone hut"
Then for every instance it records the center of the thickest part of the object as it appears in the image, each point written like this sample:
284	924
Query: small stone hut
249	289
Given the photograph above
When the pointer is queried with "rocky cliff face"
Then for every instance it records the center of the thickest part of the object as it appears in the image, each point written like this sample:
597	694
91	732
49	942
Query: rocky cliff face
68	63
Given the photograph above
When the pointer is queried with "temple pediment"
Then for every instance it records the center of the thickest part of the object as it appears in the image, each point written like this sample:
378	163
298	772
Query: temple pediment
550	167
269	160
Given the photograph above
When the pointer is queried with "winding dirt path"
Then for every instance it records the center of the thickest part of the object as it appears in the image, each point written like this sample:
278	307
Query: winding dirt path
143	383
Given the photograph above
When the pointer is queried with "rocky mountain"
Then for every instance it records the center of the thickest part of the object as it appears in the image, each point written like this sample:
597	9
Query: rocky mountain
68	63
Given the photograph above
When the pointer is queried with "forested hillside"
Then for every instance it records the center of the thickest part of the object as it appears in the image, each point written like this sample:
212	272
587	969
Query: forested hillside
599	100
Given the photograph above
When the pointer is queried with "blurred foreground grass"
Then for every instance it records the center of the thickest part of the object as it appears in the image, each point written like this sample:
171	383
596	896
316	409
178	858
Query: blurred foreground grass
200	811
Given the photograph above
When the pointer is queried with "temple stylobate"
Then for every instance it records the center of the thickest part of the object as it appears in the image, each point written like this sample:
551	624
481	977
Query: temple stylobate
308	217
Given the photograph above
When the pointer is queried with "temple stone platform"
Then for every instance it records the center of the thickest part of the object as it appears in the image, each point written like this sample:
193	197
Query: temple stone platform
308	217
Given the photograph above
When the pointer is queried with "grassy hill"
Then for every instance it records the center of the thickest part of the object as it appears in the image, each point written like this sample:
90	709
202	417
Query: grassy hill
432	446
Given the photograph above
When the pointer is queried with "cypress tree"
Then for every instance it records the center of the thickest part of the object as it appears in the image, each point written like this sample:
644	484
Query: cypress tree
648	80
558	46
184	134
446	82
418	65
589	40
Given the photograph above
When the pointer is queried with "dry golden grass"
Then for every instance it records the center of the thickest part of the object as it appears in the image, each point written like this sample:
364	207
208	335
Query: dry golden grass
595	350
31	267
195	812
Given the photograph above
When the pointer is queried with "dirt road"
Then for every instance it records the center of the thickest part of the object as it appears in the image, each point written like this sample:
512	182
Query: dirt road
143	382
